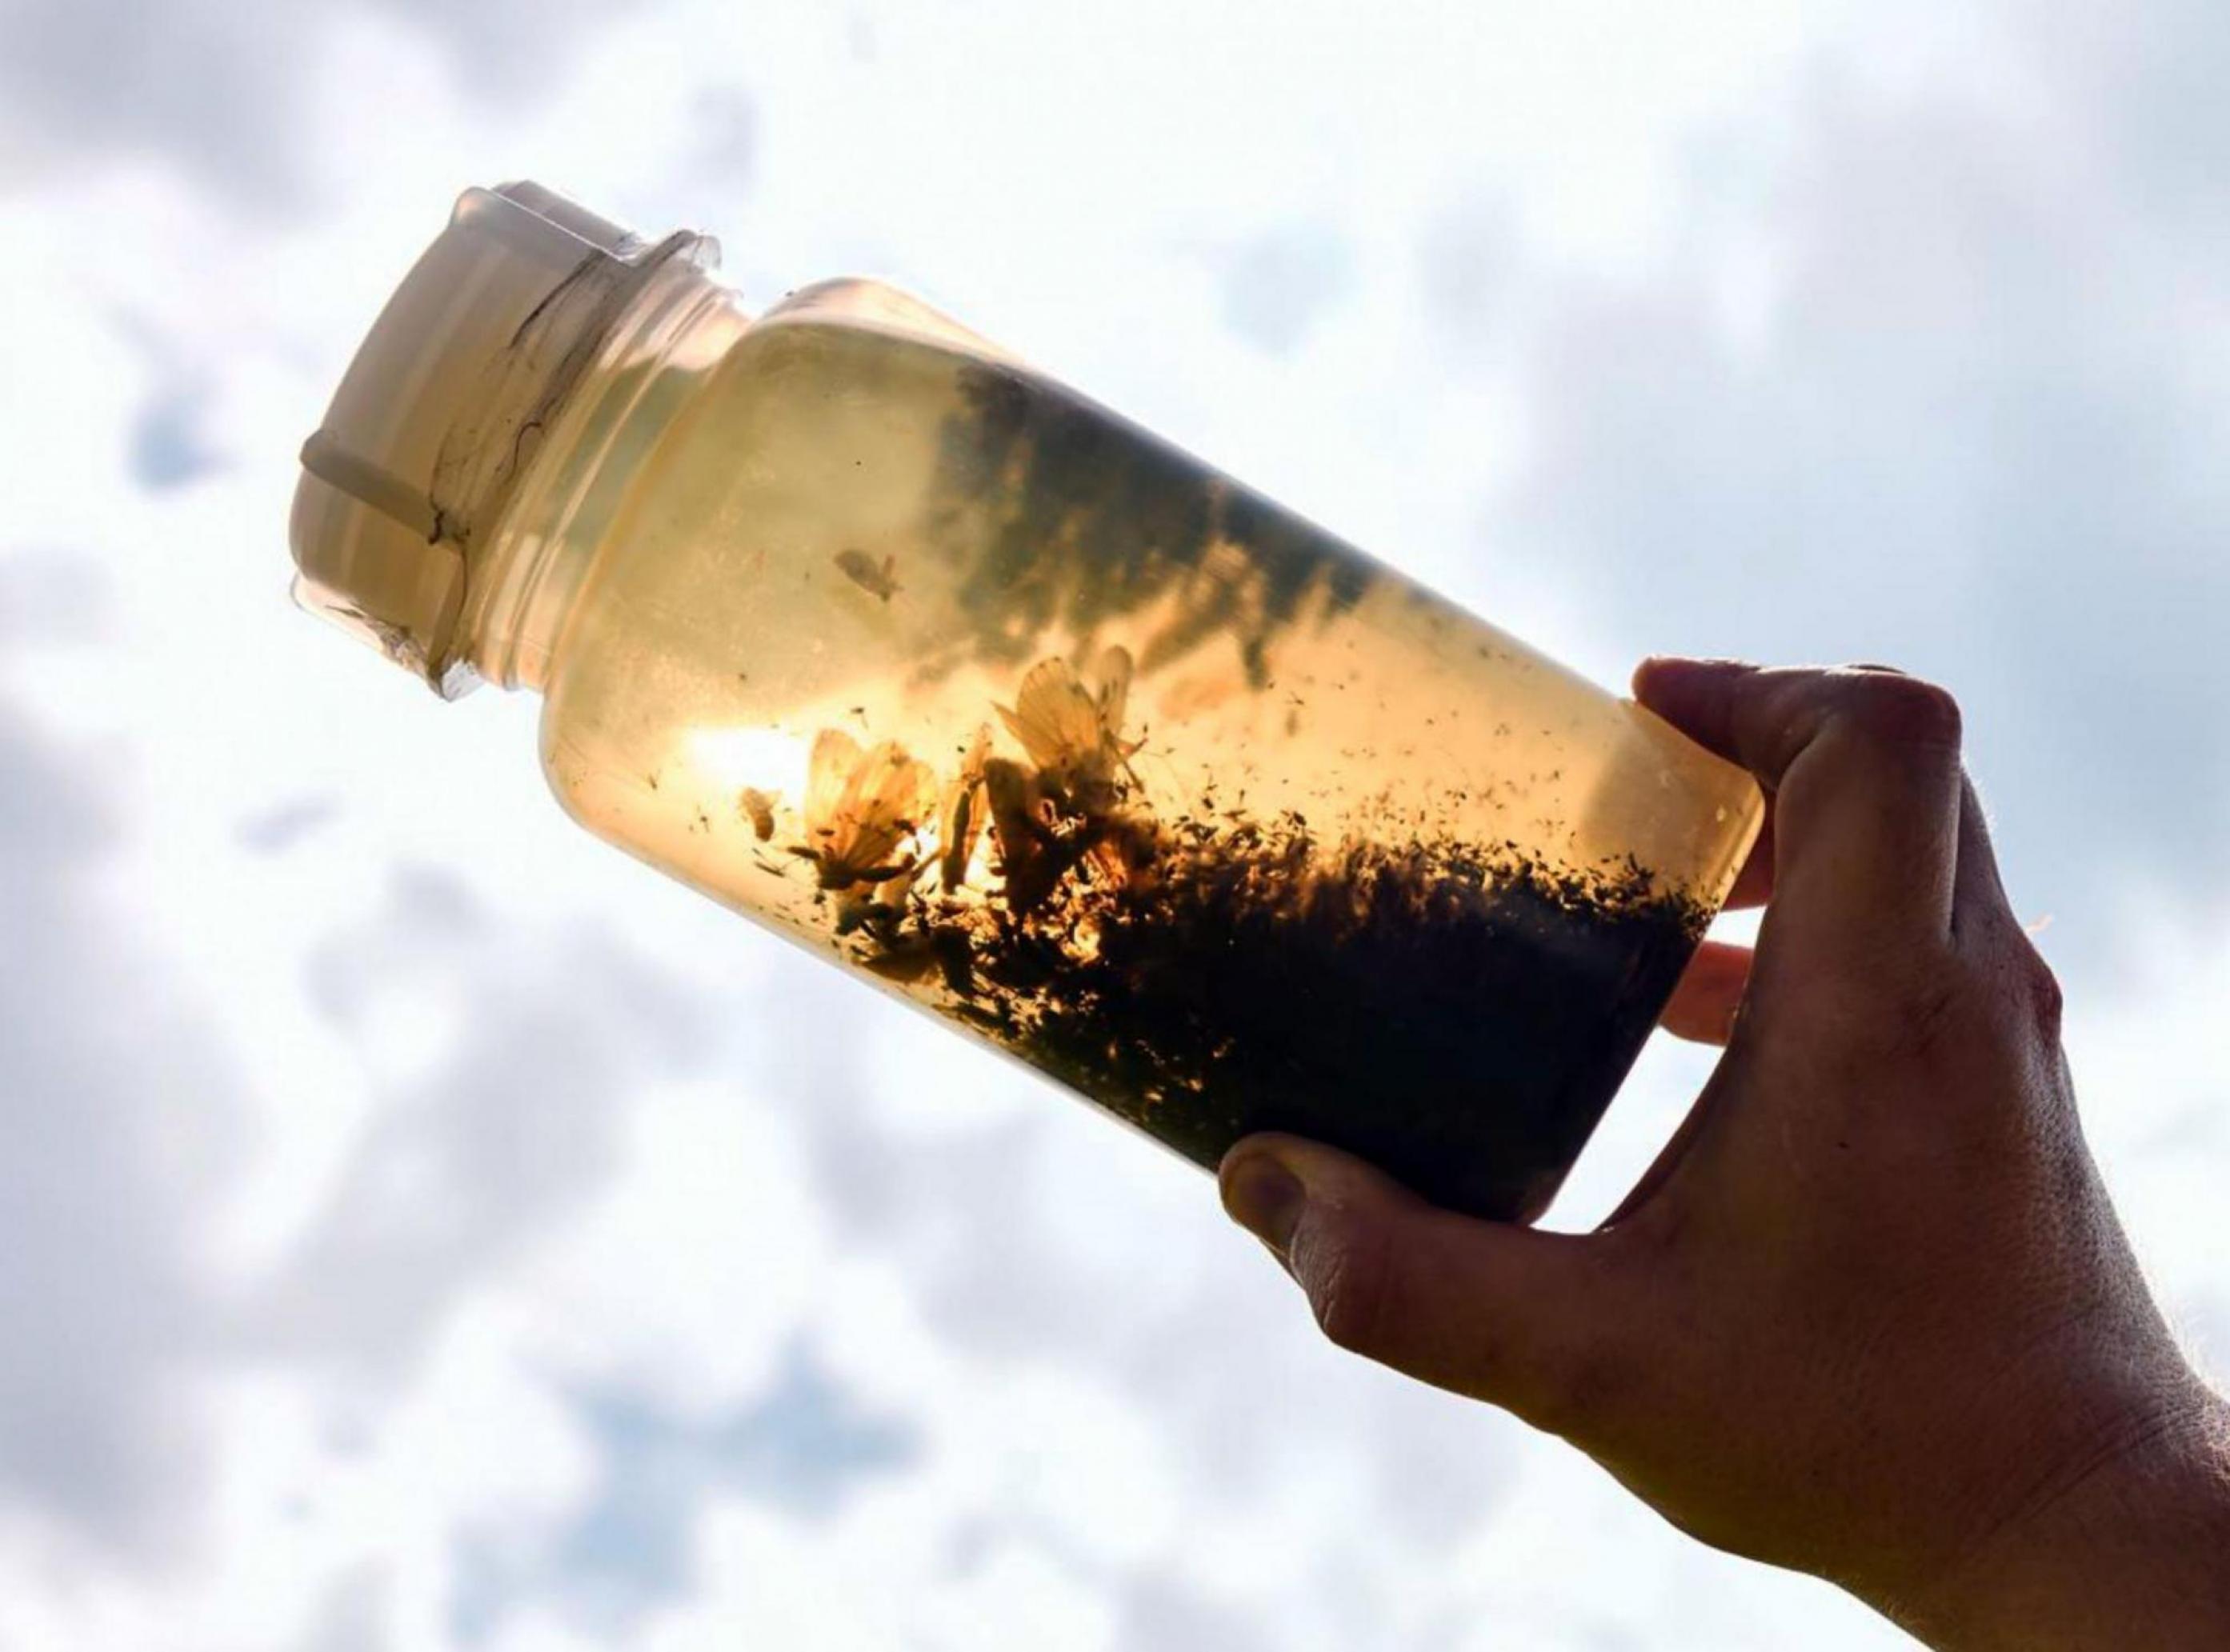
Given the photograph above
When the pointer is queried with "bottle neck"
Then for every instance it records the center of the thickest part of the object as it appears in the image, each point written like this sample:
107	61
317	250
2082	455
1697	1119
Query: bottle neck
540	555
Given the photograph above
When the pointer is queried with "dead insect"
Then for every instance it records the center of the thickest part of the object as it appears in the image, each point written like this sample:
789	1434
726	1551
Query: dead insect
879	581
1126	851
961	815
757	808
1073	733
859	808
1032	856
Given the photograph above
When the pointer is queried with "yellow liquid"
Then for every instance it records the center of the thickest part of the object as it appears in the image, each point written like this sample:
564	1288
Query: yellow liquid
1036	721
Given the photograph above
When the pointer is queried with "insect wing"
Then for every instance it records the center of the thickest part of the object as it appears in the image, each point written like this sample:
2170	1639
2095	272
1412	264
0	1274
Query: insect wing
1114	674
829	773
1056	720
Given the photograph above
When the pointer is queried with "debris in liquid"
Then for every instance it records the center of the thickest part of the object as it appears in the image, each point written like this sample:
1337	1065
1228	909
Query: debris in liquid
1377	974
757	808
1457	1014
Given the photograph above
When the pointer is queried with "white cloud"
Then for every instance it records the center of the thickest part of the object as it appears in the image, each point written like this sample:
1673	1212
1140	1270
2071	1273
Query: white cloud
1976	434
117	1119
223	93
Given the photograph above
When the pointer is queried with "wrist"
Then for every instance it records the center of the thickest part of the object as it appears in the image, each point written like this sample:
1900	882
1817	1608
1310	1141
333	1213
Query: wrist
2127	1547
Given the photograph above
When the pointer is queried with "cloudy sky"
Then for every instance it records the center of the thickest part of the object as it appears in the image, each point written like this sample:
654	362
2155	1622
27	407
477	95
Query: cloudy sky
420	1227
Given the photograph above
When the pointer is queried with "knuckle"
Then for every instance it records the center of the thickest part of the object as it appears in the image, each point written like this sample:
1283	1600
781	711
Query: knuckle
2021	996
1350	1284
2040	990
1909	710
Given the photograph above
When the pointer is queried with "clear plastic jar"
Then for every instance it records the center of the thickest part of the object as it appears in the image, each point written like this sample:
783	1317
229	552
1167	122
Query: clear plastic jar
866	629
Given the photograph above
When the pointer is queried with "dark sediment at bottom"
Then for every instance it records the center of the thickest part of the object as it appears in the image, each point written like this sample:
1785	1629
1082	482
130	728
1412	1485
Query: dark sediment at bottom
1454	1014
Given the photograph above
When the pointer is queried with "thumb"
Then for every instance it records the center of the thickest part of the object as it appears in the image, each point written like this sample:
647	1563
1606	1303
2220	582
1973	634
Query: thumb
1528	1320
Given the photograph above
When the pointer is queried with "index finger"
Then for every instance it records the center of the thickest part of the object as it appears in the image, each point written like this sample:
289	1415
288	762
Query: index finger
1862	766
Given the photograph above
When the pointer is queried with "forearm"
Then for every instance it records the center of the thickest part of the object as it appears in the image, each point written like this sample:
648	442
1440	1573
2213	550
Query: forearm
2133	1556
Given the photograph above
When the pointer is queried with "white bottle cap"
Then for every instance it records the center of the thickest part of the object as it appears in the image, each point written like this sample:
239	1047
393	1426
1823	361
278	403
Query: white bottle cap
444	407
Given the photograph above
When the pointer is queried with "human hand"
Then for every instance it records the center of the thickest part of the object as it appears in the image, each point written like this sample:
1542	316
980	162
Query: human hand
1870	1315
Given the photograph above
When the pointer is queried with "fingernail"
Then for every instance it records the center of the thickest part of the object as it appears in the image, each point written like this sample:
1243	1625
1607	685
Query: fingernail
1266	1198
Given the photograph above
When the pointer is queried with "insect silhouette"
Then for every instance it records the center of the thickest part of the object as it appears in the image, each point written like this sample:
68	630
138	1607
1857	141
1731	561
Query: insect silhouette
877	580
757	808
860	806
962	813
1037	848
1074	733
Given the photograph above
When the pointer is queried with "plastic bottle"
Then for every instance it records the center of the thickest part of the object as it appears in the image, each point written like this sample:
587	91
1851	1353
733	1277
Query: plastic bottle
856	623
